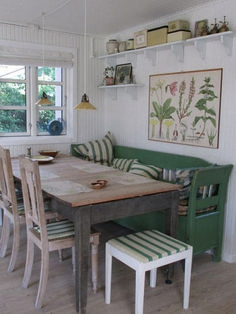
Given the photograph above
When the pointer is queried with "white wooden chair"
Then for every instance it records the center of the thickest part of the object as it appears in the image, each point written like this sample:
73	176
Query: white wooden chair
143	251
46	236
11	203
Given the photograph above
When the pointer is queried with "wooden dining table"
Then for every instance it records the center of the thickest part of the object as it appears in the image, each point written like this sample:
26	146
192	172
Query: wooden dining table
67	181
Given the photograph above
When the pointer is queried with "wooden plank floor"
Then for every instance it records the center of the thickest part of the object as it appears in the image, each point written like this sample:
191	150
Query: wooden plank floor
212	289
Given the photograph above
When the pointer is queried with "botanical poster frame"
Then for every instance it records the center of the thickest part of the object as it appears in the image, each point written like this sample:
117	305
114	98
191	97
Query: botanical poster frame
184	107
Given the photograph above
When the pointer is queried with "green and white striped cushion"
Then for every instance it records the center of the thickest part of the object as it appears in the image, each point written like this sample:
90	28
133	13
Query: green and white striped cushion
98	150
82	150
148	245
149	171
101	150
58	230
123	163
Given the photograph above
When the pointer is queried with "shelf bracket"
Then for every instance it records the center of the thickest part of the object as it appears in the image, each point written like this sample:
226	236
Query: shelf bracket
178	50
132	58
227	41
112	93
201	47
151	54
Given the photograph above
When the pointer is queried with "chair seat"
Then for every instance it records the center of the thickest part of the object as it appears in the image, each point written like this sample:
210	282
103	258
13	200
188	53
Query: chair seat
58	230
148	246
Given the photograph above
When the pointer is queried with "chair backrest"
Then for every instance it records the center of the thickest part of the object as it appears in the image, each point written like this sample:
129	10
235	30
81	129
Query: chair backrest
7	185
33	197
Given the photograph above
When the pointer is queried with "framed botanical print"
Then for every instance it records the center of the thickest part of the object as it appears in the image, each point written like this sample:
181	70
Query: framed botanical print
184	107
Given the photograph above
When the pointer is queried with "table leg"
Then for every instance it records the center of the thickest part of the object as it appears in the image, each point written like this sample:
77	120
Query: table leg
82	245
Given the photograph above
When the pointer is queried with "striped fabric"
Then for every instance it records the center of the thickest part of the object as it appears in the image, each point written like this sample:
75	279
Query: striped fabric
98	150
58	230
101	150
122	163
148	171
82	150
148	245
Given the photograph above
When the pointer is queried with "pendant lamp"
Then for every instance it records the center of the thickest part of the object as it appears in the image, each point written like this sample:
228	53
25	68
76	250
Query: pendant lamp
85	104
43	101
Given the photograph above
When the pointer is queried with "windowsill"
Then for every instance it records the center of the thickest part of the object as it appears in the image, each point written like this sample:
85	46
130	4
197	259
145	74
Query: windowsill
37	140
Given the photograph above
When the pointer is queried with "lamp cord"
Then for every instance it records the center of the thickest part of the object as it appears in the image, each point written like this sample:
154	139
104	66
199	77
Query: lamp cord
85	46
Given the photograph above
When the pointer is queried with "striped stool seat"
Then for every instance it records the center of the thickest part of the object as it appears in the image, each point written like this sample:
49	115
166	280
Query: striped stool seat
143	251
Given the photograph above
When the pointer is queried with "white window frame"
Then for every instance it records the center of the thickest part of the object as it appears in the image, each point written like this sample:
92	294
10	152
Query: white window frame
66	58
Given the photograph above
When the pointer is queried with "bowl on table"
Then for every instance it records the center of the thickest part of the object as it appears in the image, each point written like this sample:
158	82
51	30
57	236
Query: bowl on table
51	153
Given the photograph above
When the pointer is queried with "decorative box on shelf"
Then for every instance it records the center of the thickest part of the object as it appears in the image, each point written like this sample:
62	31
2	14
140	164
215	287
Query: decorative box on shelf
157	36
178	35
178	25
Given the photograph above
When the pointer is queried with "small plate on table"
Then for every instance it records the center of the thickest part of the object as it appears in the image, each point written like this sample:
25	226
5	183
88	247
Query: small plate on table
42	159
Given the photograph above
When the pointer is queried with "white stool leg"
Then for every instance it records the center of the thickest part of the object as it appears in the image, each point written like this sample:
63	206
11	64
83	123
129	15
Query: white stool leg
139	290
187	278
108	271
153	277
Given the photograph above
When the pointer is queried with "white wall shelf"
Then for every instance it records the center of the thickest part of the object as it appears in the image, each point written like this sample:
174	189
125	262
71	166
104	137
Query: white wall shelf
226	38
129	88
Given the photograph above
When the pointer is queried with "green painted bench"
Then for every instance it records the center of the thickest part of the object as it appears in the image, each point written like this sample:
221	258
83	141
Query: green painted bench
201	225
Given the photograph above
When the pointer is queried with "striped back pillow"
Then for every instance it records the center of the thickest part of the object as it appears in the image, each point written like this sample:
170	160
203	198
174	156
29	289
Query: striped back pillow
148	171
123	163
101	150
98	150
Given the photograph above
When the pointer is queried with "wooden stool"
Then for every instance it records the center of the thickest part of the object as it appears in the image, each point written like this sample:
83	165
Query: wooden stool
143	251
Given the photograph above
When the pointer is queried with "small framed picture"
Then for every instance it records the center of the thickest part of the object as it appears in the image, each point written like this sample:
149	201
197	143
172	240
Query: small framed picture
123	74
201	28
140	39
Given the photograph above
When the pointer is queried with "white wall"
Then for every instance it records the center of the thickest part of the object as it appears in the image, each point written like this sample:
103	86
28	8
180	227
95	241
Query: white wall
127	118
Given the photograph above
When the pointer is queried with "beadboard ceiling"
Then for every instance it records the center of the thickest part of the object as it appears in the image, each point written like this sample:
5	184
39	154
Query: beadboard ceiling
104	17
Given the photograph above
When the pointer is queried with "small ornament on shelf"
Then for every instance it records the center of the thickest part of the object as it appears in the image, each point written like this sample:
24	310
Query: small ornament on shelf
215	28
224	27
109	75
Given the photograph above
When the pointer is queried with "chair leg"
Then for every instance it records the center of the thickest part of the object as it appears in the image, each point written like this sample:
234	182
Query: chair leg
108	268
43	279
28	264
94	262
60	254
15	246
187	279
5	235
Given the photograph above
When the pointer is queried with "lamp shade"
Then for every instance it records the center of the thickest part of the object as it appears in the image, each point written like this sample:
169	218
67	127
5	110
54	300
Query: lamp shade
44	101
85	104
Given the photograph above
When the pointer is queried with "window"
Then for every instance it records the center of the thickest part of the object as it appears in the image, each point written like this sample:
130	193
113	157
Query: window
20	87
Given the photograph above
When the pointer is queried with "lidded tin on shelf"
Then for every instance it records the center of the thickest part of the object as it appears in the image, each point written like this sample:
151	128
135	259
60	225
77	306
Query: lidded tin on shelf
130	44
112	46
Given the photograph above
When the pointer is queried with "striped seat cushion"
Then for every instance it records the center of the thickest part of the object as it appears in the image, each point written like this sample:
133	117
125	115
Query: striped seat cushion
122	163
58	230
147	246
148	171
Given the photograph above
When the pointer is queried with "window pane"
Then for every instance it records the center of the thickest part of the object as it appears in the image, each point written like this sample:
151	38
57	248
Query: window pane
12	121
53	92
12	72
45	116
49	74
12	94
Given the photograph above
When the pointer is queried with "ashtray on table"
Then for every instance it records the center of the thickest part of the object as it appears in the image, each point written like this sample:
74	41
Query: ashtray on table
99	184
